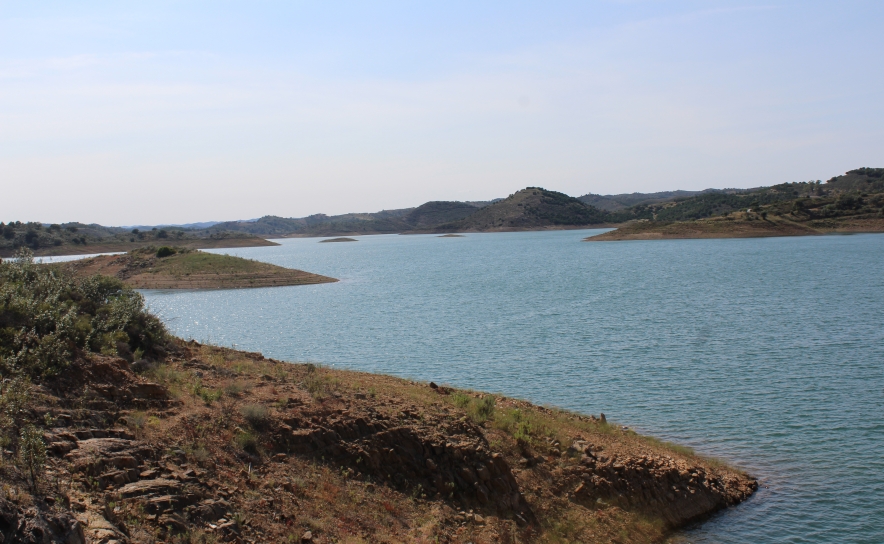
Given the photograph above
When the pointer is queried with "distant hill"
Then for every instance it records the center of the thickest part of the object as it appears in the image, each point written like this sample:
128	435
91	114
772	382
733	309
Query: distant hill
869	180
529	208
386	221
613	203
425	216
853	202
433	214
855	194
79	238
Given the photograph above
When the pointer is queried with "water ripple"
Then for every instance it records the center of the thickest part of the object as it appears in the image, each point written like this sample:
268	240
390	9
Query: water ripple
768	353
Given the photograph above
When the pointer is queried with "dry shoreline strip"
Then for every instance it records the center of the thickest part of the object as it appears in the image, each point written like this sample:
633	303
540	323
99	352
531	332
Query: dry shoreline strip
190	269
213	441
740	227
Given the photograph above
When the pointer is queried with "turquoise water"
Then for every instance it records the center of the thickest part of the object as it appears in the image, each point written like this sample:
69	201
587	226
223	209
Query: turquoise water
766	352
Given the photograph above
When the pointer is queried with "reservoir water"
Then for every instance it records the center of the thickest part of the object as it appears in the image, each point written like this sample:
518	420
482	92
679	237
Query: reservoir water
768	353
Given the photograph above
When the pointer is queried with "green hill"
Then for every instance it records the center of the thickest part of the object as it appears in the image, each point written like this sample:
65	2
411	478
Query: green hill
529	208
613	203
433	214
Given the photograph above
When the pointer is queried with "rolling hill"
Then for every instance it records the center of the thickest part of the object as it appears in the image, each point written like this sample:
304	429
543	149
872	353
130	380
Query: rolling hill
530	208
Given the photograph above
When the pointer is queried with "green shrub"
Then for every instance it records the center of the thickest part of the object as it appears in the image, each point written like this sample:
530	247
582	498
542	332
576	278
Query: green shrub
256	414
235	389
246	441
481	410
13	397
32	452
47	316
516	423
461	400
165	251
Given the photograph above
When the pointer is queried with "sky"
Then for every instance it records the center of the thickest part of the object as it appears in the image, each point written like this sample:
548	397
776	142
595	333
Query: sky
125	113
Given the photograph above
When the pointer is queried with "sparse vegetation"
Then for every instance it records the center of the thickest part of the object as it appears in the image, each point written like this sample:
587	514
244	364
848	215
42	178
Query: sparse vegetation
256	415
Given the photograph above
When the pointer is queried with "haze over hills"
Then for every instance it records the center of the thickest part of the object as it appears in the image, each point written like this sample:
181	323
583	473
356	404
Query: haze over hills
858	194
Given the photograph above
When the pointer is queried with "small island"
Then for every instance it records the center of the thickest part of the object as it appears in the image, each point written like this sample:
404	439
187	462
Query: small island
338	240
182	268
451	236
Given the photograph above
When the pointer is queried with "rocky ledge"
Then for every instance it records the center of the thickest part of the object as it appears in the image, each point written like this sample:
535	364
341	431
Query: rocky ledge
217	445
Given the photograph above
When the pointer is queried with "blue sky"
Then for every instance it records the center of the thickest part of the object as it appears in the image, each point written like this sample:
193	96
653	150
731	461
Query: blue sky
174	112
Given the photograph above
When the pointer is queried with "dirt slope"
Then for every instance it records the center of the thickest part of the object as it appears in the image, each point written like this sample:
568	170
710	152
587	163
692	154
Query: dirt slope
216	445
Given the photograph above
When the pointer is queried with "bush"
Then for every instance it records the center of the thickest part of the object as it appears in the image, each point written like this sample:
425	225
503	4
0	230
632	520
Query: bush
47	317
246	442
32	452
516	423
482	409
256	414
165	251
461	400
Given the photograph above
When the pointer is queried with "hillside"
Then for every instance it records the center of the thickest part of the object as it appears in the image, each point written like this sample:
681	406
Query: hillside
384	222
180	268
529	208
428	215
853	202
433	214
115	431
79	238
613	203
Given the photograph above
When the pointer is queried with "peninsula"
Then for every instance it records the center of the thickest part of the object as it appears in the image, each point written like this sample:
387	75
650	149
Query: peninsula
851	203
83	239
115	430
182	268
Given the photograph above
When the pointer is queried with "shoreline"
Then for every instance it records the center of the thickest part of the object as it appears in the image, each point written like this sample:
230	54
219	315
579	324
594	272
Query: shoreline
122	247
190	269
740	228
478	465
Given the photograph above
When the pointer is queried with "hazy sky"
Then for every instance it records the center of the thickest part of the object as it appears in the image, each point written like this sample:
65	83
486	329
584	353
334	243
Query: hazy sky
170	112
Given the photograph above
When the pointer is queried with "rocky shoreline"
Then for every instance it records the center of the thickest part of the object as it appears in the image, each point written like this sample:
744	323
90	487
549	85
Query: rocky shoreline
228	446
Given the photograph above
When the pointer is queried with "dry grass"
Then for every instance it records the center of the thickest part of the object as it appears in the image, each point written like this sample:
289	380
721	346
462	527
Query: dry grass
338	503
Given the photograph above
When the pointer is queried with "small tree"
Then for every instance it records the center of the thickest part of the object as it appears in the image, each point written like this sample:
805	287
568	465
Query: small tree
32	452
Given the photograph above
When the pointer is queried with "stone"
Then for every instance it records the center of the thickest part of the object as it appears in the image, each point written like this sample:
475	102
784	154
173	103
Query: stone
482	493
158	486
149	390
307	537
